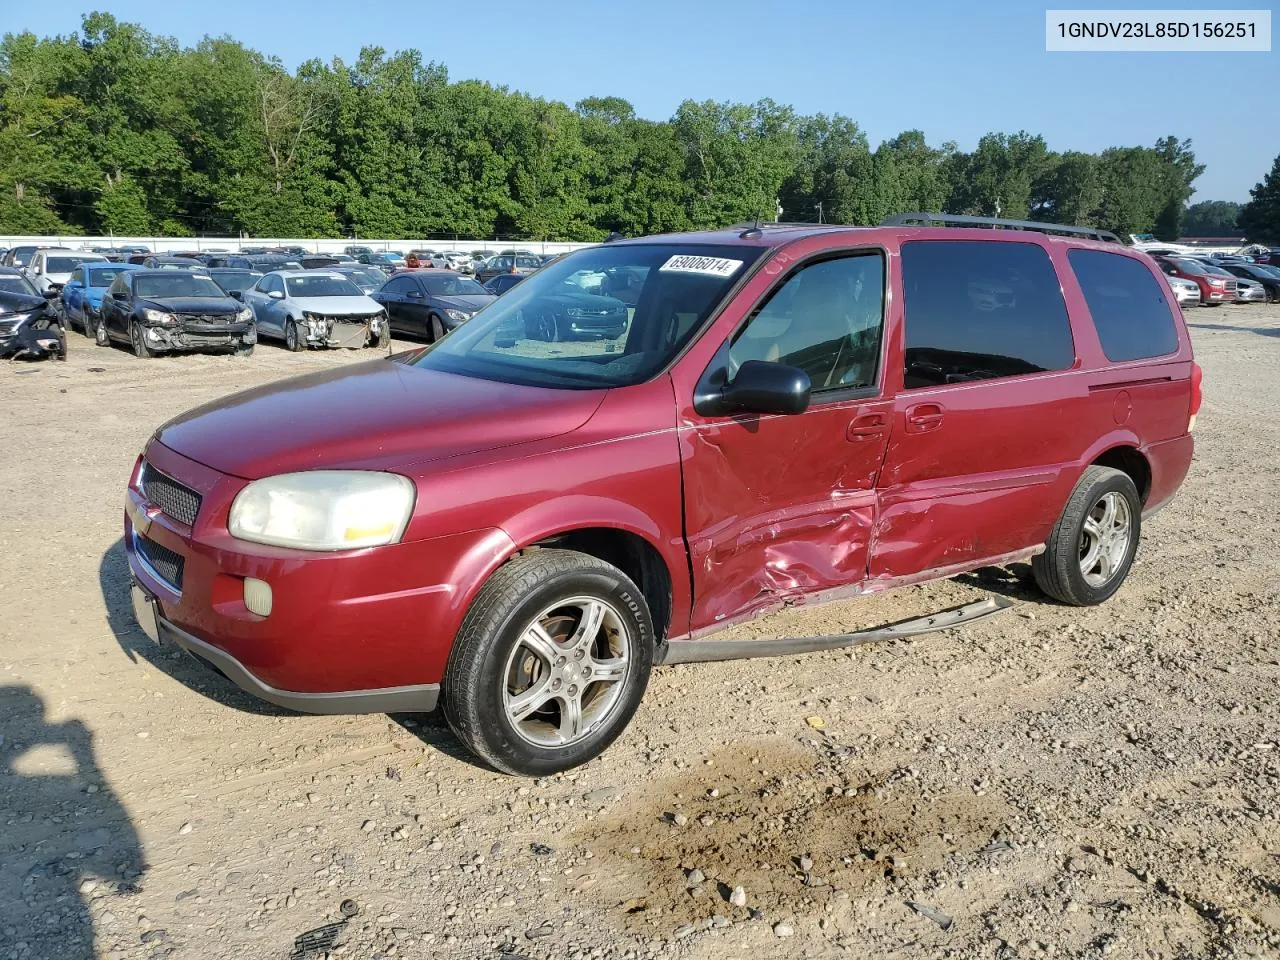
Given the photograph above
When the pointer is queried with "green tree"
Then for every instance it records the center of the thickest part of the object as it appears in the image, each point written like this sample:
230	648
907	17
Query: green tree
1260	218
1211	218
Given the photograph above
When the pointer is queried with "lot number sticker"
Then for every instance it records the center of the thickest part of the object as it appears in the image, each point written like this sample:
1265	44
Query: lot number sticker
710	266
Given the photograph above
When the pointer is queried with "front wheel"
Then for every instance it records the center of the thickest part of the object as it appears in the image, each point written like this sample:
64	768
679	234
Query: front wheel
291	339
1091	548
100	336
550	664
437	329
139	338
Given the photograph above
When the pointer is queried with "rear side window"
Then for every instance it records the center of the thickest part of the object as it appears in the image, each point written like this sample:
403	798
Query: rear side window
1132	316
979	310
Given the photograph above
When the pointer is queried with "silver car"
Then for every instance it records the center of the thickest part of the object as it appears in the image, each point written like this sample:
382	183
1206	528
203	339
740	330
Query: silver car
51	267
1187	292
316	308
1250	291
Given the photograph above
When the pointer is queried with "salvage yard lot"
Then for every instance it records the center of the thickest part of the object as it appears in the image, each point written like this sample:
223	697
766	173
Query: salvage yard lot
1052	781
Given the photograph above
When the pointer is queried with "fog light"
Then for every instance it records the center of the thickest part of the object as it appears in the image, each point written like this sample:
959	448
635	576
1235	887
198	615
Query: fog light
257	596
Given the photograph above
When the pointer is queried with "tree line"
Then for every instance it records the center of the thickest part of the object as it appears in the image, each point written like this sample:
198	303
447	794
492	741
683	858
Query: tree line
112	130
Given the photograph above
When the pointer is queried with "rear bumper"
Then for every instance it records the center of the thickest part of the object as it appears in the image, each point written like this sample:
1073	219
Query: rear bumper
1170	460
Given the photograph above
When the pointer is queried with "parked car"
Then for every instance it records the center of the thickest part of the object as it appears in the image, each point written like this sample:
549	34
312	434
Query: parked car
51	267
169	311
502	282
386	262
1268	276
1186	292
358	252
1214	290
517	264
1250	291
234	279
172	263
367	278
19	256
317	261
523	533
316	308
23	310
81	301
430	303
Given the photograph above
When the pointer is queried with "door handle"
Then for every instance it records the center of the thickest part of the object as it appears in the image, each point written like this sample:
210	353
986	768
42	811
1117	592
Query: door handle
866	427
924	417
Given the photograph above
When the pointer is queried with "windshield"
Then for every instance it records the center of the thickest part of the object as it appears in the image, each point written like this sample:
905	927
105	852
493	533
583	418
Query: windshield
1217	271
1192	267
1271	273
554	330
453	287
236	279
66	264
367	276
322	285
104	276
179	283
16	283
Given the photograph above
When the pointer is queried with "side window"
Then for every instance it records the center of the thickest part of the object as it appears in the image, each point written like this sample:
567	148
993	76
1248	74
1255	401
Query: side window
399	287
978	310
1132	316
826	319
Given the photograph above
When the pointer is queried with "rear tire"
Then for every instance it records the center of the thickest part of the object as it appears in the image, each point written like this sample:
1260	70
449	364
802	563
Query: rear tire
1091	549
538	631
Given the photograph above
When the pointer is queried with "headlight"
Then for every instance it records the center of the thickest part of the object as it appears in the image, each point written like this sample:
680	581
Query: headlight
323	510
245	315
458	315
157	316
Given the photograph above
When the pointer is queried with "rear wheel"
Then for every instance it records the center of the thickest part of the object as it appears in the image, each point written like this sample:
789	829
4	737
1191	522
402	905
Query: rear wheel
139	338
292	340
1091	548
550	664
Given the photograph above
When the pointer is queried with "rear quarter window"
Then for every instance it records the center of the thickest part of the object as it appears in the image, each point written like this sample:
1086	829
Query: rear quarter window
981	310
1133	318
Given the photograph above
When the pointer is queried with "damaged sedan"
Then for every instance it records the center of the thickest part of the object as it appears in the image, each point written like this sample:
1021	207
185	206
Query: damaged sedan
29	325
314	308
170	311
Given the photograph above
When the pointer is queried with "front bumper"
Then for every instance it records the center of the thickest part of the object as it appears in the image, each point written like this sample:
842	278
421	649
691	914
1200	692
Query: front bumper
343	332
203	336
419	698
357	631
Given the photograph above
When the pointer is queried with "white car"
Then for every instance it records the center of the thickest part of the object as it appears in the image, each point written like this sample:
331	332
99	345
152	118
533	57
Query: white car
316	308
51	267
1187	291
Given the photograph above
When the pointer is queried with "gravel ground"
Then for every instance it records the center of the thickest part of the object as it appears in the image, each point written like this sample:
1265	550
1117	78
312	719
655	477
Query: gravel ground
1049	782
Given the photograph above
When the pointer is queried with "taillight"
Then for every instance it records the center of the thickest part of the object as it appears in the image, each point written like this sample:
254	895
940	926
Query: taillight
1197	394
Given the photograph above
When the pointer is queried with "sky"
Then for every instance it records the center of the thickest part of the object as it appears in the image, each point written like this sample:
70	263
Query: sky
954	70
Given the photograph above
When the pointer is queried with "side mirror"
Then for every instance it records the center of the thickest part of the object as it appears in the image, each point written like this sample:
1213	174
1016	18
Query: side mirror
236	294
118	295
51	293
415	294
758	387
276	294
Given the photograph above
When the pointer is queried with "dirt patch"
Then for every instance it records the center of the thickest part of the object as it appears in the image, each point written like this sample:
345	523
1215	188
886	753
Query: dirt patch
795	826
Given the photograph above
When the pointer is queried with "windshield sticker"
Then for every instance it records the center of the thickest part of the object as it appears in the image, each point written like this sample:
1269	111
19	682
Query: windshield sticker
710	266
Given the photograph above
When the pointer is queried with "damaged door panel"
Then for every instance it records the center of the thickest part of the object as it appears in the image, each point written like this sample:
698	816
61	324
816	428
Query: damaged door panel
986	443
781	507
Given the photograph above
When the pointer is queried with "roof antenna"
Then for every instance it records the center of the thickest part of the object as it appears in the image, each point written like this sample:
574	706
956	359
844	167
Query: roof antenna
753	232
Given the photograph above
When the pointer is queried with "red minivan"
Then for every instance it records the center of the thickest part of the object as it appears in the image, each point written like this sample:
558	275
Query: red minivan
522	527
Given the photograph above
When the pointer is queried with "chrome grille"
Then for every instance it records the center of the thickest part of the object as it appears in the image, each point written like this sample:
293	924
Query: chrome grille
174	499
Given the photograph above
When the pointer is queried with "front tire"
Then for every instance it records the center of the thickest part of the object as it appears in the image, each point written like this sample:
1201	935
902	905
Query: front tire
1088	555
139	339
100	336
292	341
550	664
437	329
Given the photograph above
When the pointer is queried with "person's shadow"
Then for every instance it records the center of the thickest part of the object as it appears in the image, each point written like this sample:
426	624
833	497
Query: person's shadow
65	838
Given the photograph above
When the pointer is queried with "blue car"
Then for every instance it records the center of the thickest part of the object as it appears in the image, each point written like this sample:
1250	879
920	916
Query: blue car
81	302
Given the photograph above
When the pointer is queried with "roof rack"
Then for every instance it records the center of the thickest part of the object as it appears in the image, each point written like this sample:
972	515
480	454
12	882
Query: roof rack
792	225
958	220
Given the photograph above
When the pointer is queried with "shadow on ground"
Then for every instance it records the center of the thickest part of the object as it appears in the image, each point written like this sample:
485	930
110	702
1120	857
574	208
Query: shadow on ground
66	838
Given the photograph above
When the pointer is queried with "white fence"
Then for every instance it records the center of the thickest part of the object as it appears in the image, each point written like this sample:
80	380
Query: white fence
234	244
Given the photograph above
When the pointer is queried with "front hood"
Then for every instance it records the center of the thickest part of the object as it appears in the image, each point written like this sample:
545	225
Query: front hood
381	415
470	302
337	306
203	305
19	302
